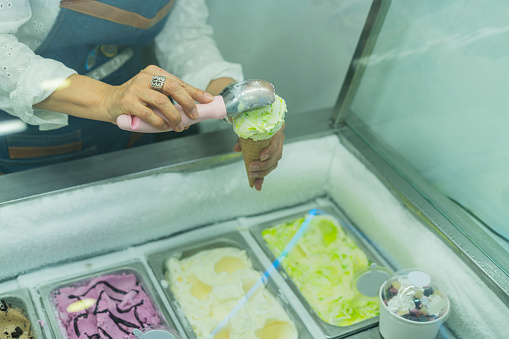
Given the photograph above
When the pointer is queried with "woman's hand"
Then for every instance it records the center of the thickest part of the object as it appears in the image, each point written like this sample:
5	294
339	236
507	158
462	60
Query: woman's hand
269	158
84	97
136	96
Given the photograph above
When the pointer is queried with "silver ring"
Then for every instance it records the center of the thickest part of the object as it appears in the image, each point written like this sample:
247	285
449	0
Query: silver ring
157	83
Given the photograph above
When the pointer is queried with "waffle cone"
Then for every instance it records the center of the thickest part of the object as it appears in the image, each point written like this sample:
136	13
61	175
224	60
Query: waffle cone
251	151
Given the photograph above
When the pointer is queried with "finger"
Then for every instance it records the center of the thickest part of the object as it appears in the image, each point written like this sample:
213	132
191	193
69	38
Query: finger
264	173
147	115
183	93
258	184
196	93
164	105
277	139
237	147
173	87
263	165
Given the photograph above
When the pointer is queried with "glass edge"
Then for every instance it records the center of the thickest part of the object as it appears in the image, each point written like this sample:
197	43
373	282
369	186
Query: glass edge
363	50
441	203
441	222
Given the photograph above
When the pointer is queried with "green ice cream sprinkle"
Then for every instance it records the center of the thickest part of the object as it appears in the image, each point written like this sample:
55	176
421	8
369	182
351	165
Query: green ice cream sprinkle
261	123
322	265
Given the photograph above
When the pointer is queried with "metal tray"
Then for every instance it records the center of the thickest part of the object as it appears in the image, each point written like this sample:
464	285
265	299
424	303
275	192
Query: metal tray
46	293
20	299
330	331
158	259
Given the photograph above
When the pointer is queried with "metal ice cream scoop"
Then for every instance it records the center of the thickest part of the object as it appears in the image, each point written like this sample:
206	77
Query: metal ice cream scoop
156	332
237	98
247	95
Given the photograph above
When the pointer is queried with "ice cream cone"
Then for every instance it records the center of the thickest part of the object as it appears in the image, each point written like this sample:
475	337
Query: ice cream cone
251	152
256	128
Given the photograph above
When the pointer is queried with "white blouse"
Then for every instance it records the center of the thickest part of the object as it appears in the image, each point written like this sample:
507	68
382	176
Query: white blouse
184	47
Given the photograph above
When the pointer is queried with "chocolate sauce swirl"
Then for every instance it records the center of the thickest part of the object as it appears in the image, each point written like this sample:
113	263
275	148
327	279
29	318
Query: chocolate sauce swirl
103	307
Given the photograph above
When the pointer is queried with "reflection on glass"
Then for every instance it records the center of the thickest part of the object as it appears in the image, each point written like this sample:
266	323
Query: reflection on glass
434	94
11	126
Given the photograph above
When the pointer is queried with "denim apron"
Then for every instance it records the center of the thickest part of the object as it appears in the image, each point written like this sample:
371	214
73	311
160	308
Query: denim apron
103	40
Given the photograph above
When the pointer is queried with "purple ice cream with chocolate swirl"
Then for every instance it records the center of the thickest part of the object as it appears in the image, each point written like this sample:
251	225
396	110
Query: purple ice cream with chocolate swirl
108	306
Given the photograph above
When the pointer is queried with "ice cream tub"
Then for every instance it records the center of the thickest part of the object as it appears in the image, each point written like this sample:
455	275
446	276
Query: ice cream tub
321	268
111	302
17	316
412	306
209	284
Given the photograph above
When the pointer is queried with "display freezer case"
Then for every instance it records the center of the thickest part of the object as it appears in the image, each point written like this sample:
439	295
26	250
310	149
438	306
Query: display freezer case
76	219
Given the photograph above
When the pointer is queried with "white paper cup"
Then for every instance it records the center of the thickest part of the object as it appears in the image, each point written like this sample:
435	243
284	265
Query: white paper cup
392	326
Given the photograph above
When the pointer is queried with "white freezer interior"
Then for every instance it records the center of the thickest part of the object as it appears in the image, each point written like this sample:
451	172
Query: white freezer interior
103	218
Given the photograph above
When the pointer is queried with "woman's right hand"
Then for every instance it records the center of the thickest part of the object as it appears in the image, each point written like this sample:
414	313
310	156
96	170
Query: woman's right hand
136	96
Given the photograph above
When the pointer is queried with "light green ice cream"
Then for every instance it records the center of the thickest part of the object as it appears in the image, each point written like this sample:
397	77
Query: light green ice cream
261	123
322	265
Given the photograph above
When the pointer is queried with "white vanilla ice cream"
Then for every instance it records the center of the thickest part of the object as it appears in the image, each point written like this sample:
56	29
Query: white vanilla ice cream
209	284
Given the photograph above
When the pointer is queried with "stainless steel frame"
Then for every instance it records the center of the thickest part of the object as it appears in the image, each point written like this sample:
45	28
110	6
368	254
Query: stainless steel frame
367	41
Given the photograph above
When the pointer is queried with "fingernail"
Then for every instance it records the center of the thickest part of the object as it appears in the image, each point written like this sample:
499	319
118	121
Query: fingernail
180	127
265	156
166	127
254	174
254	167
208	96
195	113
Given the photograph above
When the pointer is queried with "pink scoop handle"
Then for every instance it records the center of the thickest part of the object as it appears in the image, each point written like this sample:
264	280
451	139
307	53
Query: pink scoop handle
215	109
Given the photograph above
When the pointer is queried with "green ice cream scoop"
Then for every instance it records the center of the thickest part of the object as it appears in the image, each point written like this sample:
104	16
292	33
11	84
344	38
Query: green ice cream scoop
261	123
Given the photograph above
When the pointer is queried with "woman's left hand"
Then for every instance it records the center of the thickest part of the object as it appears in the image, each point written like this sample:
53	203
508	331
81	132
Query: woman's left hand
269	158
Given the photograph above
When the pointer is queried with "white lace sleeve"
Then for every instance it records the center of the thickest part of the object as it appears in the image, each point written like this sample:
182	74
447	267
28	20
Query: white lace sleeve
185	46
26	78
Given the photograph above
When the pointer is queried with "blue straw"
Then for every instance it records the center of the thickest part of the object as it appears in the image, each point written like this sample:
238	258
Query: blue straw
265	276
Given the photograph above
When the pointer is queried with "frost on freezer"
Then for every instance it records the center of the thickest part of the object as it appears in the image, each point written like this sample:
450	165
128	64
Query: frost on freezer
209	284
322	265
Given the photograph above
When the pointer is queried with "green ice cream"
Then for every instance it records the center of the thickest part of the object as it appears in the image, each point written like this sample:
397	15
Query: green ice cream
261	123
322	265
